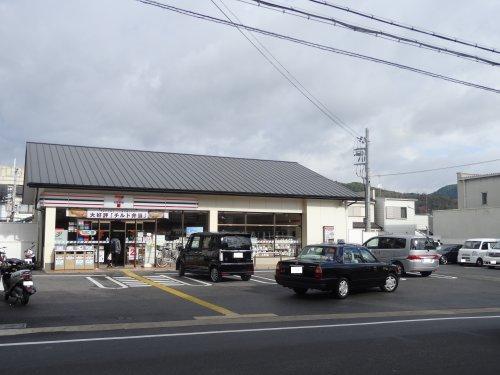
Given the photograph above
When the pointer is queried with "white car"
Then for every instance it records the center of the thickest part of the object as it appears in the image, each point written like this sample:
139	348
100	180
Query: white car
492	259
475	250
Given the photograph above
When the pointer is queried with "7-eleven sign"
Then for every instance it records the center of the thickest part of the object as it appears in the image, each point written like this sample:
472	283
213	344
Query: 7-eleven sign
118	201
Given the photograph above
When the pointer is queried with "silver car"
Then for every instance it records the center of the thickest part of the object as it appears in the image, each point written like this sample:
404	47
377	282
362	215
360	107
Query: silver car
408	253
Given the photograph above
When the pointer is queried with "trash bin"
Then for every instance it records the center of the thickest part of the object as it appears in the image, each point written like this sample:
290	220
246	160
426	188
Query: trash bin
89	260
80	260
59	260
69	260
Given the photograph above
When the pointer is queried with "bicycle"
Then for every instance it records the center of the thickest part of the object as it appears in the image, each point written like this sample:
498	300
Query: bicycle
164	256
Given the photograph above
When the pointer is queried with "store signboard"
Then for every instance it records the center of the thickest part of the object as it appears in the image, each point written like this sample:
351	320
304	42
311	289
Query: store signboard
117	214
328	234
118	201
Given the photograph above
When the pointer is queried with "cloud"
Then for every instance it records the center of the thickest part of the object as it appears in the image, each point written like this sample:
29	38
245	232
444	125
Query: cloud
123	74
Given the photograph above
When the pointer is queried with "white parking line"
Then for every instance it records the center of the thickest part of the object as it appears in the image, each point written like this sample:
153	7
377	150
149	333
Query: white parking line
97	283
265	278
130	282
198	281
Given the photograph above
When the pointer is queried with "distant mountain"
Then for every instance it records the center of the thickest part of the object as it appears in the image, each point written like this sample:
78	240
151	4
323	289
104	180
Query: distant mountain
442	199
449	191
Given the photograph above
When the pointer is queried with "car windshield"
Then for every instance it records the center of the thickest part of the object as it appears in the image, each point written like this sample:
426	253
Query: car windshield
236	242
318	253
422	244
472	244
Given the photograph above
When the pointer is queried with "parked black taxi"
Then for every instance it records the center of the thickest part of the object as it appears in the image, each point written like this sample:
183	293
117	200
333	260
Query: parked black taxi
217	255
336	268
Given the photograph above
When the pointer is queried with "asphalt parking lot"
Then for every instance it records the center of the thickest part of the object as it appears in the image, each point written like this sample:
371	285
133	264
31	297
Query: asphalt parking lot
116	297
455	312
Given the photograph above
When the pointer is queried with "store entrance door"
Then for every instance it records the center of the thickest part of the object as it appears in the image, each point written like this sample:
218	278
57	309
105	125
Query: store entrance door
118	233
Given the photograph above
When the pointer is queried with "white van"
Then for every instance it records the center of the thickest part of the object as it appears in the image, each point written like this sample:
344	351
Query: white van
475	250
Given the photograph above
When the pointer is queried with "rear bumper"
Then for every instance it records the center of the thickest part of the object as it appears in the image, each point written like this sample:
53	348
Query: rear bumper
419	266
236	268
306	283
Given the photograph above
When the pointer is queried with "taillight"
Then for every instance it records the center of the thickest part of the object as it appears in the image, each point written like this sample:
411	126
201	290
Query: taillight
414	257
278	268
27	276
318	272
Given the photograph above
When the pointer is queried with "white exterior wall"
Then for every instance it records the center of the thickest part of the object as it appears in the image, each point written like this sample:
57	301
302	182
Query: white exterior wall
316	213
17	237
422	222
399	226
469	191
456	226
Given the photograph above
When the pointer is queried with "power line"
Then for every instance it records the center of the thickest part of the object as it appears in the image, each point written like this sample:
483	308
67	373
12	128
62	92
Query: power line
407	27
435	169
316	45
376	33
289	76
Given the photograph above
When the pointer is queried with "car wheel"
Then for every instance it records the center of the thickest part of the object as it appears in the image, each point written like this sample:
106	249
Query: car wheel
426	273
391	283
342	287
479	262
215	275
443	260
246	277
300	291
401	269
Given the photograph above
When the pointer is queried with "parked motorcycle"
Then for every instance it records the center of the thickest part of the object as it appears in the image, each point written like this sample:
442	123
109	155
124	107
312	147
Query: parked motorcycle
17	280
29	257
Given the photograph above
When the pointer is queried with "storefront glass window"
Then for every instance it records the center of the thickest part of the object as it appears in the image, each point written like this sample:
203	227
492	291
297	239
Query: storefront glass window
75	232
273	234
232	218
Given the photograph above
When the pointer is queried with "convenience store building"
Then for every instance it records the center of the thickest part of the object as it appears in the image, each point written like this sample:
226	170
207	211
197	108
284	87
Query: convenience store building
86	196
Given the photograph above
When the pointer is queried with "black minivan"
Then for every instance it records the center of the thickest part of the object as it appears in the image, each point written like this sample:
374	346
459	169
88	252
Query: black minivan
217	255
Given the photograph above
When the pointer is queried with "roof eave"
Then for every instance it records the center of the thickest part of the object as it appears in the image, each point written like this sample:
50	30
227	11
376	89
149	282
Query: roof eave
179	191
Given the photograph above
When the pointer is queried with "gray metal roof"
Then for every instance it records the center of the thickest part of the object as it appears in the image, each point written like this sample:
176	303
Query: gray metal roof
65	166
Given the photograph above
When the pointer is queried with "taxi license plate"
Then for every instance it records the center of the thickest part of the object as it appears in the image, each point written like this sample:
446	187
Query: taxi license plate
493	261
463	260
238	255
296	270
27	283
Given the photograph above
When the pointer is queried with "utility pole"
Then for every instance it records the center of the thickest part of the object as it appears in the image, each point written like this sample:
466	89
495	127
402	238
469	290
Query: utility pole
13	195
368	198
363	171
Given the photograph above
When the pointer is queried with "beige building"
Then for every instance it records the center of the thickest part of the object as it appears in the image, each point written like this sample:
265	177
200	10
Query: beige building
478	213
152	200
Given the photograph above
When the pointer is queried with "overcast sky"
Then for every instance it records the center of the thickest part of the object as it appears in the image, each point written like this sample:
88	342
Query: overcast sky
119	73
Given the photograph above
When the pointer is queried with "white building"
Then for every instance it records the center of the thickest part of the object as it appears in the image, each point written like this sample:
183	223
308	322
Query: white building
6	188
149	200
478	213
356	220
396	215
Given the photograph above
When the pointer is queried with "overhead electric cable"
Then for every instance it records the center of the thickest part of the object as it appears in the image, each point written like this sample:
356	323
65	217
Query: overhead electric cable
289	76
377	33
435	169
407	27
316	45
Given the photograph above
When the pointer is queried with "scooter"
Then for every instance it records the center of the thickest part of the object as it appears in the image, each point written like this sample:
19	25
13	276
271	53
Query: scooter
17	280
29	257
